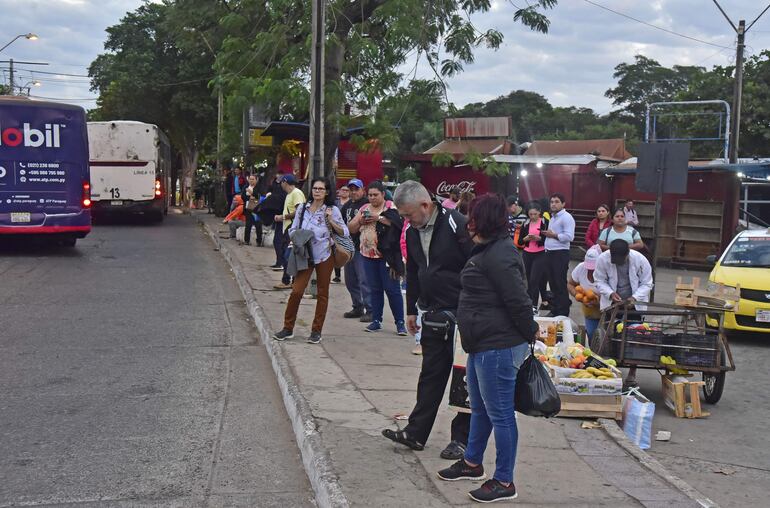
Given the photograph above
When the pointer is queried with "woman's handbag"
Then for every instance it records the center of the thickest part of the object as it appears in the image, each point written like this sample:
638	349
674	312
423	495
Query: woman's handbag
342	247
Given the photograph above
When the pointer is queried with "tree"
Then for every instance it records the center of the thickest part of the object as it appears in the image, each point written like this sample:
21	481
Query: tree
646	81
146	75
268	43
5	90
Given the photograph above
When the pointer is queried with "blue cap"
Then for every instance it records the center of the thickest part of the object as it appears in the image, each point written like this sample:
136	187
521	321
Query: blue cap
356	182
289	178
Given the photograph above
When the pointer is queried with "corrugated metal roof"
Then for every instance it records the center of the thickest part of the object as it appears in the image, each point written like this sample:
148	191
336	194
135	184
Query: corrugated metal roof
608	149
463	146
480	127
568	160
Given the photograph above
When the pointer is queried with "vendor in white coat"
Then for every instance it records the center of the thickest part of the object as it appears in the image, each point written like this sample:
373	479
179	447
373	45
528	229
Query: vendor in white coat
623	275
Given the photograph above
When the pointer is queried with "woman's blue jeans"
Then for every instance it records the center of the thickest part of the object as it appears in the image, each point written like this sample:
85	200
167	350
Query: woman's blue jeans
591	326
380	284
491	379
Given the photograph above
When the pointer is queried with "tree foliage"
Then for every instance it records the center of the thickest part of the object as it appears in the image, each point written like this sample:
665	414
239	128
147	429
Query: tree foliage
146	75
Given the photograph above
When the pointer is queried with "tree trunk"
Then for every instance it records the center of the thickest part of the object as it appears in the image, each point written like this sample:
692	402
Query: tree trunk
189	156
335	54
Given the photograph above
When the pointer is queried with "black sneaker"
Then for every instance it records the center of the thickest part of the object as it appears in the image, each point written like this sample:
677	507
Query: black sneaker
492	490
355	313
366	317
336	280
454	450
276	268
460	470
283	335
315	338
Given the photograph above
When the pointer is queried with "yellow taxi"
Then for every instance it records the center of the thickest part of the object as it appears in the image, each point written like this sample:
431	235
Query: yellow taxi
746	262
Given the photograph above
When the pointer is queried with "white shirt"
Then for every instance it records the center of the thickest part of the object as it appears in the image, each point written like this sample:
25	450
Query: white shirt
563	225
631	217
639	273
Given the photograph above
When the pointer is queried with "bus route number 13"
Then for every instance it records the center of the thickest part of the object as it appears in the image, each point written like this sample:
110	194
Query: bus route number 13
115	192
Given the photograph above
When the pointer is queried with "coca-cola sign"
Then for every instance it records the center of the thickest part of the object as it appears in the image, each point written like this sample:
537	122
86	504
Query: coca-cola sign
444	188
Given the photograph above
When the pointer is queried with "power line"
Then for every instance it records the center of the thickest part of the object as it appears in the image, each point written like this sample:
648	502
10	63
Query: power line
54	73
656	26
63	98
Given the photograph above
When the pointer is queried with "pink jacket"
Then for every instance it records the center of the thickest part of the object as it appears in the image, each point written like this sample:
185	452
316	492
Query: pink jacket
403	239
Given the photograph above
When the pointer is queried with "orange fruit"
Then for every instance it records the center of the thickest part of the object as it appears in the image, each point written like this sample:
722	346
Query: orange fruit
590	294
579	297
579	289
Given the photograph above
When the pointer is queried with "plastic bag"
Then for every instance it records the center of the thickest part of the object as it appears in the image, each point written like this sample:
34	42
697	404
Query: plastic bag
638	413
535	393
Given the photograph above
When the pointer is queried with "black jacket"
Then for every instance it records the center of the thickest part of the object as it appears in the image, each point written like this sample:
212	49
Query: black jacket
437	284
389	241
525	231
495	311
349	210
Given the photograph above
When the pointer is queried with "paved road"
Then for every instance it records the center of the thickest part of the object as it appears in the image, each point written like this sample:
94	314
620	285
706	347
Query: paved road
131	375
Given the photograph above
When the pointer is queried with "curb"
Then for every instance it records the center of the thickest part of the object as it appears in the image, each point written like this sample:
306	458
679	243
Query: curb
616	433
316	459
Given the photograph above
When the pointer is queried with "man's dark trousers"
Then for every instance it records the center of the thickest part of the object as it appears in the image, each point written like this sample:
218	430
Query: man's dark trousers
558	265
437	359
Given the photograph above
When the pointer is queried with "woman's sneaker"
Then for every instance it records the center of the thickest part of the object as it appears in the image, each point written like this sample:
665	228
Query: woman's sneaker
492	490
283	335
460	470
315	338
374	326
401	329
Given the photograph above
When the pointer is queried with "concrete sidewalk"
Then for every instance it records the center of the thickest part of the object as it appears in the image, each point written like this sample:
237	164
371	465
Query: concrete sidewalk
353	383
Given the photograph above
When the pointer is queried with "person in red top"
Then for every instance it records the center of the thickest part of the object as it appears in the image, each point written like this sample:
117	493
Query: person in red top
602	221
236	218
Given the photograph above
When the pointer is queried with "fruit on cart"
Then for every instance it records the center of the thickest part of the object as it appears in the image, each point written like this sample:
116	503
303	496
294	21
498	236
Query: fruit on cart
585	296
611	362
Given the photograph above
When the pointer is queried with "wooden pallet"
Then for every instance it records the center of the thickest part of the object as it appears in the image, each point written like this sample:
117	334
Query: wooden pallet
591	406
683	398
691	294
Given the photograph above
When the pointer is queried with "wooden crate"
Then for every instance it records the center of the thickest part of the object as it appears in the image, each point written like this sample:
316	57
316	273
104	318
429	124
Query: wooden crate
683	398
591	406
691	294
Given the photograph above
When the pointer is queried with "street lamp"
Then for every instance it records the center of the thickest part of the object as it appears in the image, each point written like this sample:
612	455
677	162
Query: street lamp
29	36
30	84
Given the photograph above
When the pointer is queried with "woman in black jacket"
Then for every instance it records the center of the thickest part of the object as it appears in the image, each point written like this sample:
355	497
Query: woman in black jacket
496	323
251	194
532	242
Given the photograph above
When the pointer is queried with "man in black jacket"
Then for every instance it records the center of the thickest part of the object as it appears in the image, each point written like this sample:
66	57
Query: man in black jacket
438	246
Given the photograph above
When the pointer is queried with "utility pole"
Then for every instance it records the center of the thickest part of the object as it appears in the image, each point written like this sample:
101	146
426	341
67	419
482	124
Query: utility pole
11	70
317	90
738	91
741	30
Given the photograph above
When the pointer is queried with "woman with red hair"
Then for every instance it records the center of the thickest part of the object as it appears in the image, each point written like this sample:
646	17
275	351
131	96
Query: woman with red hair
496	324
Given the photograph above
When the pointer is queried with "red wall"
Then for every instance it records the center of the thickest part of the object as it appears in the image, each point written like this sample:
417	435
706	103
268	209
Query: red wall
351	163
440	180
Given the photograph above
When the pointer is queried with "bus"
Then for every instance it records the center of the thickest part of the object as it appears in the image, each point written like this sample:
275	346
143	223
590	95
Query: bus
44	178
130	169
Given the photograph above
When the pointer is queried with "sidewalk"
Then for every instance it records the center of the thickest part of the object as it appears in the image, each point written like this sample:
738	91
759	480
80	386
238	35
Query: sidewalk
354	382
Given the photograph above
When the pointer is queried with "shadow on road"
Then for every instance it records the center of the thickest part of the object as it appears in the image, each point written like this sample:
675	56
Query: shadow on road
125	220
36	245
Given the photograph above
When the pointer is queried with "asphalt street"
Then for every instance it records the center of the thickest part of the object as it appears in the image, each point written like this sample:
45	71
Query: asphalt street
131	374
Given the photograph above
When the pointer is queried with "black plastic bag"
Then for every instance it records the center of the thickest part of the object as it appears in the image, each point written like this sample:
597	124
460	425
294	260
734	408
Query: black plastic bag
535	393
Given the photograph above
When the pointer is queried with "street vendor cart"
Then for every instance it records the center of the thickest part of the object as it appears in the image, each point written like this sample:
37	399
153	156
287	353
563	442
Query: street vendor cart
667	338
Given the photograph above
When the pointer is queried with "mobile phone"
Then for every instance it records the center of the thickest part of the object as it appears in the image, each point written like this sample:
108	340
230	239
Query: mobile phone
367	213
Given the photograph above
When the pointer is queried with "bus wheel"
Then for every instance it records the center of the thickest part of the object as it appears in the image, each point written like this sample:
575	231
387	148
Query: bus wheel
68	241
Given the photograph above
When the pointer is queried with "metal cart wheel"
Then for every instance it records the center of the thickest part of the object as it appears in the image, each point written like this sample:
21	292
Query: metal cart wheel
598	342
715	383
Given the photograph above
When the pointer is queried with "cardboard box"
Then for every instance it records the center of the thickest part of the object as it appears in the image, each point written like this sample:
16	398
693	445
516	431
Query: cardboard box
591	406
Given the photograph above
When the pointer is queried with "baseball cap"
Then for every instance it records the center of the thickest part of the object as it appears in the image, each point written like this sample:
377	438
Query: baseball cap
289	178
356	183
618	251
592	255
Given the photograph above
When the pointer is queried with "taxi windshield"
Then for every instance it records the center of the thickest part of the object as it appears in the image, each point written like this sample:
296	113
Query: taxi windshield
749	252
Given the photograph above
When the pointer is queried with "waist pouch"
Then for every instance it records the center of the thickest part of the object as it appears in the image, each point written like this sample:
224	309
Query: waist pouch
438	323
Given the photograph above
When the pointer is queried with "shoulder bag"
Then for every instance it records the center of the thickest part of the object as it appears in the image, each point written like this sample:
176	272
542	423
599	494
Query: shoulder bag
342	247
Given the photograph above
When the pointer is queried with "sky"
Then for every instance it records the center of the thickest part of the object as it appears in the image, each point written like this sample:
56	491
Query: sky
571	66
